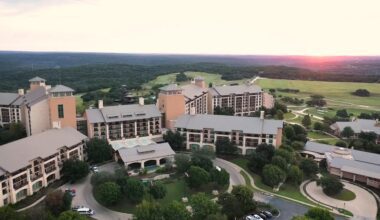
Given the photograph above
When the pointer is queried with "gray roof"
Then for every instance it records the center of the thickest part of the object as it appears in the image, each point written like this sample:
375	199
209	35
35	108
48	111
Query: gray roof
37	79
191	91
8	98
359	125
35	96
360	156
122	113
139	153
61	88
171	87
237	89
356	167
222	123
17	154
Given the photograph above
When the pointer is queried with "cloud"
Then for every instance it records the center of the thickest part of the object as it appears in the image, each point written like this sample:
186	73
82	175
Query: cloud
177	26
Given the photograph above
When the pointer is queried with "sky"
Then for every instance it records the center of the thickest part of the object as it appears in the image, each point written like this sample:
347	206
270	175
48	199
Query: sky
266	27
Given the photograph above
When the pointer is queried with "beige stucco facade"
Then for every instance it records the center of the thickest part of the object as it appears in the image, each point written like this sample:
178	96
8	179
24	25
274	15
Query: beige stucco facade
36	118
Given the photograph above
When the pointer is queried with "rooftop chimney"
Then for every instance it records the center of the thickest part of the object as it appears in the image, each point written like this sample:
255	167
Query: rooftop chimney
200	82
262	113
21	91
100	104
141	101
192	110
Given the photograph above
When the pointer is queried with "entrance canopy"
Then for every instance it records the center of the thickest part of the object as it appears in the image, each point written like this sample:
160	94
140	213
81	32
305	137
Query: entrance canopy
144	153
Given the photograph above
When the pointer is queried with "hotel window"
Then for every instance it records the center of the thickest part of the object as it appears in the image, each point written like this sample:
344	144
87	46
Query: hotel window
60	111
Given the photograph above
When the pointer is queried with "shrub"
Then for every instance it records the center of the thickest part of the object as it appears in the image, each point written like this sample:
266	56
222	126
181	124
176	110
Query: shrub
109	193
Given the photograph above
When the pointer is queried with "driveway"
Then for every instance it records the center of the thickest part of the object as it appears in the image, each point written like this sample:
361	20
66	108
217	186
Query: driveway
85	197
363	206
287	208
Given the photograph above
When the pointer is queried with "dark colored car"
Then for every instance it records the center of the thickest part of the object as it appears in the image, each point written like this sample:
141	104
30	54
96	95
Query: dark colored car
262	215
268	214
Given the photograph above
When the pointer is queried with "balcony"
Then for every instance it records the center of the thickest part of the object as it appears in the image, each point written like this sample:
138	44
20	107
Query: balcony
19	184
50	169
35	176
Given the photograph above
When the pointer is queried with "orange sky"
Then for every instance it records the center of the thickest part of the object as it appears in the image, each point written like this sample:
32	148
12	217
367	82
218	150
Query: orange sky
278	27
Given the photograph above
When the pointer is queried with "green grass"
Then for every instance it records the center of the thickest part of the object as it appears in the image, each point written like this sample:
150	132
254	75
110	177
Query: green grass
337	93
285	190
289	115
318	135
345	195
345	212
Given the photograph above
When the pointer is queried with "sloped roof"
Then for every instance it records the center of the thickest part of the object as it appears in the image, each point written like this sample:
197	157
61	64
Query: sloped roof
122	113
37	79
222	123
140	153
357	167
8	98
61	88
35	96
17	154
191	91
236	89
359	125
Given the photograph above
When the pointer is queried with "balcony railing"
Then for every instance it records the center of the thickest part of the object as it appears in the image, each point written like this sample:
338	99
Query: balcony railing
50	169
19	184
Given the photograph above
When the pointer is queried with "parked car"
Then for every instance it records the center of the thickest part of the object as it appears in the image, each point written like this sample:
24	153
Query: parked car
253	217
268	214
94	169
85	211
71	191
75	208
262	215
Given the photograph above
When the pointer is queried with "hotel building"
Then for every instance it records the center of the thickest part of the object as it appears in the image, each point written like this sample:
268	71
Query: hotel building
29	164
43	107
354	165
246	132
174	100
358	126
123	121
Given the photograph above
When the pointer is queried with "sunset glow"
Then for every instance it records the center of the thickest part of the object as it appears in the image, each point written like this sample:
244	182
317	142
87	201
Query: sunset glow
293	27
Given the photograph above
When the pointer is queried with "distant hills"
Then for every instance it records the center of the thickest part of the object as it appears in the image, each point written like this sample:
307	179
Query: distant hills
91	71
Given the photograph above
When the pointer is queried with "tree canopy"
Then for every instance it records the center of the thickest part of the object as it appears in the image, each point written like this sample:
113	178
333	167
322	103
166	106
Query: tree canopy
74	170
98	150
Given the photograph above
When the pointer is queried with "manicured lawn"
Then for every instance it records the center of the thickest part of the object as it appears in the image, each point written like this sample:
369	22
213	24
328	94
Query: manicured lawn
289	115
345	195
318	135
338	92
285	190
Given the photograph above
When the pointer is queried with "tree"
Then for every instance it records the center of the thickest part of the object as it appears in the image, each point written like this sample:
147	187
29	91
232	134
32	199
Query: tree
176	211
230	205
98	150
71	215
58	201
280	162
12	132
330	185
182	162
216	216
309	167
202	161
289	132
109	193
134	190
298	145
279	115
318	126
341	144
102	177
74	170
175	140
225	147
202	206
368	136
149	211
287	155
257	161
7	213
273	175
319	214
181	77
347	132
362	93
221	177
306	121
342	113
197	177
267	150
157	190
245	197
295	175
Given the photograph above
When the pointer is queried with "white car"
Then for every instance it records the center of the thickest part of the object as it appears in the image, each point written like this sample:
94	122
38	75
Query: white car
253	217
85	211
95	169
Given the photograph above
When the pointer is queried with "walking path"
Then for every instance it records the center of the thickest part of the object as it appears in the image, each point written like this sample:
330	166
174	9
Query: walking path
364	206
